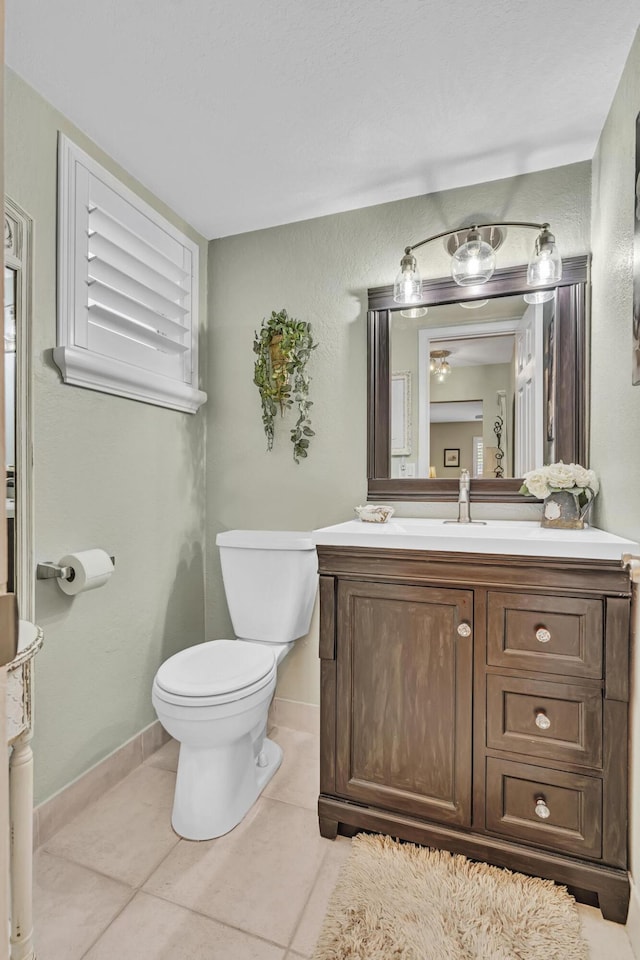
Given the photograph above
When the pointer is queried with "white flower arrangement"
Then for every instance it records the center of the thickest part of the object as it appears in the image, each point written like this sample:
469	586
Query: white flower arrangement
556	477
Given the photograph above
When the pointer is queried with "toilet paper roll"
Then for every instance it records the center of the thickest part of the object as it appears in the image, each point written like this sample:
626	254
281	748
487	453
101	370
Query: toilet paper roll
91	569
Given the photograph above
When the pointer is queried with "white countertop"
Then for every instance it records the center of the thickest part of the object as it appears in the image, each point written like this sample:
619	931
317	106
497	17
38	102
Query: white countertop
507	537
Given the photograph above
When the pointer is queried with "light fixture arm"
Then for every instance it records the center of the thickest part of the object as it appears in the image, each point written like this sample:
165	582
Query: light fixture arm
476	226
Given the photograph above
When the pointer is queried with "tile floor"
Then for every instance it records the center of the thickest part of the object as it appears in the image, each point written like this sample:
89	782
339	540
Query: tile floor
116	882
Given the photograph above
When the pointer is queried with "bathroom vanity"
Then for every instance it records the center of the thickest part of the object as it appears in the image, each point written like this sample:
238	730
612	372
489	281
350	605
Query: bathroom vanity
474	694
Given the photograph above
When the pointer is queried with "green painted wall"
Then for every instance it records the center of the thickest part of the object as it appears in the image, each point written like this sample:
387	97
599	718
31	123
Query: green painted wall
108	472
320	271
615	406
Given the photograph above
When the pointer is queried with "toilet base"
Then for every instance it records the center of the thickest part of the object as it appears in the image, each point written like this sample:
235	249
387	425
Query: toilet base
217	786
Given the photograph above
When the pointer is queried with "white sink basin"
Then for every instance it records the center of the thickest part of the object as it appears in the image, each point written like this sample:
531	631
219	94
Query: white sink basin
515	537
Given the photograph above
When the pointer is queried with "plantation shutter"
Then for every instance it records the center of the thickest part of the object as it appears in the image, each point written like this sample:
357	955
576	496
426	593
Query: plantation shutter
128	290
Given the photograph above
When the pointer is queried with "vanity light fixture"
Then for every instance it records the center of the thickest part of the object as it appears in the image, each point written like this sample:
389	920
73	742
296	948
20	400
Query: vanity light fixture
439	366
473	259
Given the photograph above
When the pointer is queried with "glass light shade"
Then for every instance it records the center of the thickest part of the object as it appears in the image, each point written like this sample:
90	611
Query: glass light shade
545	266
473	304
439	365
473	262
443	372
408	284
539	296
414	312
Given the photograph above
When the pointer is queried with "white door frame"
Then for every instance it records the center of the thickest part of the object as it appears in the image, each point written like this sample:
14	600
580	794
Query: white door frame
6	640
18	255
18	244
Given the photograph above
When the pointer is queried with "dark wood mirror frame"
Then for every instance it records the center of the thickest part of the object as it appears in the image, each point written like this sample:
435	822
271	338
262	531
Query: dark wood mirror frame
572	394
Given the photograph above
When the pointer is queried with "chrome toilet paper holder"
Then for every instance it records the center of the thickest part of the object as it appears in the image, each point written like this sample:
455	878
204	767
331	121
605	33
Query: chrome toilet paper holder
47	570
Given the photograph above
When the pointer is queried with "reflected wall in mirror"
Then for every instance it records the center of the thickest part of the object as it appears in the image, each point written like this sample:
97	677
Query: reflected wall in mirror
18	426
497	378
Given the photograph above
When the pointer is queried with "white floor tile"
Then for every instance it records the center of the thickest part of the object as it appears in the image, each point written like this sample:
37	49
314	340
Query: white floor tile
256	878
127	832
298	779
607	941
150	929
308	930
72	906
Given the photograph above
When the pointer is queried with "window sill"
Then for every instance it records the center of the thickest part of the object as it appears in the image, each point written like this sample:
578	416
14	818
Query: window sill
82	368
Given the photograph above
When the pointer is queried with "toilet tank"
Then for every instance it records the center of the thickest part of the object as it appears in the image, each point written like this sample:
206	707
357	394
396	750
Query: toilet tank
270	581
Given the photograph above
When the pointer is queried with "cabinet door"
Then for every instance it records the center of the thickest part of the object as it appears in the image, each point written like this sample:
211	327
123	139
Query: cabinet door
404	687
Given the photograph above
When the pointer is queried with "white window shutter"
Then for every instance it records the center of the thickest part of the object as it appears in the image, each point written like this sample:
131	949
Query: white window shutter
127	290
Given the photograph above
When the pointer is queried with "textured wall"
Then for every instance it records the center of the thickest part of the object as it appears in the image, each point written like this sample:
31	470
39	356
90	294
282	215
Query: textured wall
320	271
108	472
615	406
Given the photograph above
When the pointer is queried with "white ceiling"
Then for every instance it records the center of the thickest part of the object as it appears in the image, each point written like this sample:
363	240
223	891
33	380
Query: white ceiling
243	114
455	411
477	351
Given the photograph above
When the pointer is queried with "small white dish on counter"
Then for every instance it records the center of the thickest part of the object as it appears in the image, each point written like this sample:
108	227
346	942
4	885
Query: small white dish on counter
374	513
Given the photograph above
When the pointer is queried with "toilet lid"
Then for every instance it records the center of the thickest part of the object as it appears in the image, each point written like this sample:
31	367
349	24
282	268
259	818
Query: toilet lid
216	668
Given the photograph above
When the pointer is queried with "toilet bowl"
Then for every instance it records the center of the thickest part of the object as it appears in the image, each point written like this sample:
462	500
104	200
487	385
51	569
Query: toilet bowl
213	698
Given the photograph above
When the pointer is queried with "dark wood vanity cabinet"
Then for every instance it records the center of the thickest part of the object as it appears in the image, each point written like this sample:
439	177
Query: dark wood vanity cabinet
404	681
479	704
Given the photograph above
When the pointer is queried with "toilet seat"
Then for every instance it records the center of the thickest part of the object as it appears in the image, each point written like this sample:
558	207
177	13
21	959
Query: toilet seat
215	672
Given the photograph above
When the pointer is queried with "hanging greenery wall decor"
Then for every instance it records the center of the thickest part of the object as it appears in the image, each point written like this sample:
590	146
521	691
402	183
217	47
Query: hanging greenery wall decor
283	345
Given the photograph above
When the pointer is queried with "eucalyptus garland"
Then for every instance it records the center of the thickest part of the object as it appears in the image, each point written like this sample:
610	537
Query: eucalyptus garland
283	346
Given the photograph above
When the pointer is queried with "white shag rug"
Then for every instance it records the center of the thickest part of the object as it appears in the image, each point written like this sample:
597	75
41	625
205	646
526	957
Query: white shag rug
397	901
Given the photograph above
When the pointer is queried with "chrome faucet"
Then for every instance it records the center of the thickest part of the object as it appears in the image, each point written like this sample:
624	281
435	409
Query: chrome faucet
464	500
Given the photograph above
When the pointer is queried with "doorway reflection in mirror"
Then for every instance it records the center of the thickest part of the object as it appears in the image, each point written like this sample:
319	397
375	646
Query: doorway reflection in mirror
502	371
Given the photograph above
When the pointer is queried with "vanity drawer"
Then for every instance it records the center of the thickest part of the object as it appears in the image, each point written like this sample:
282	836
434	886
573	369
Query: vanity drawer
557	721
551	808
562	635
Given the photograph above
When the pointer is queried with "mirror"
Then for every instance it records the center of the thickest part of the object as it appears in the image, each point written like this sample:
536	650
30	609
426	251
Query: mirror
486	382
485	388
18	427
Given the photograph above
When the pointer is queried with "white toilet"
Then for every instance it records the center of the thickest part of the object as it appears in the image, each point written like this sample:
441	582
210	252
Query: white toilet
214	698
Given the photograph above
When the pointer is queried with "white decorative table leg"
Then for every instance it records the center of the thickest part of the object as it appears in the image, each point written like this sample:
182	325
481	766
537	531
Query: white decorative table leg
21	814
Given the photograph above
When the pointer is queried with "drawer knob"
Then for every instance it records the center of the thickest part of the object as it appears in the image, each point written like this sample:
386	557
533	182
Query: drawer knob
464	630
543	635
542	720
542	810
